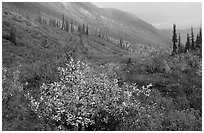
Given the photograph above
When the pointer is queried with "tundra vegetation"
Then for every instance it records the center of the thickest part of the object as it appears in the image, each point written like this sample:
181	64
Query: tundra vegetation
56	76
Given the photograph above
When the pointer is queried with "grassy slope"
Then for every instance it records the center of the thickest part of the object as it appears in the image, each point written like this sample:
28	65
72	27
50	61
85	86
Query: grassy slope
38	43
40	48
150	35
31	36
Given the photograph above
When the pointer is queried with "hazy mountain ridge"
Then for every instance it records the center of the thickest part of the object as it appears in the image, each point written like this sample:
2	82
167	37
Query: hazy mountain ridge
140	27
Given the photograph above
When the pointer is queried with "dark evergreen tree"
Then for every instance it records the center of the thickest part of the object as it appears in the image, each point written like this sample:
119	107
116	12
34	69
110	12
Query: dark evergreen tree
121	43
197	41
63	22
174	40
57	24
72	27
192	39
83	29
187	46
200	35
67	26
129	62
87	30
179	43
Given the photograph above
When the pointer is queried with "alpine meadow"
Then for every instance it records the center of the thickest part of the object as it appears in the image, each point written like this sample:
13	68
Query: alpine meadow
75	66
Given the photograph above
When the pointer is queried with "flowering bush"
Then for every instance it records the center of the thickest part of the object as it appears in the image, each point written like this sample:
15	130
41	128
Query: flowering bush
84	98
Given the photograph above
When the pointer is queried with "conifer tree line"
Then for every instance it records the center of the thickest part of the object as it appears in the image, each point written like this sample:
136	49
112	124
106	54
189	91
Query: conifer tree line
64	24
70	26
191	44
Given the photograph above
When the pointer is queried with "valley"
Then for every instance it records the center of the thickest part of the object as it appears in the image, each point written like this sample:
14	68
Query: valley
74	66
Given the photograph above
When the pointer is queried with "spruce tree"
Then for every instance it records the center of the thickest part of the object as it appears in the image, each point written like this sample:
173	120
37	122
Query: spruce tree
121	43
174	39
67	26
197	41
87	30
200	35
83	29
72	28
129	62
192	39
187	47
57	25
179	43
63	22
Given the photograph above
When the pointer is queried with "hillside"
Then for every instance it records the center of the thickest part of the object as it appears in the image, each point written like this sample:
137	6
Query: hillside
116	23
71	78
42	38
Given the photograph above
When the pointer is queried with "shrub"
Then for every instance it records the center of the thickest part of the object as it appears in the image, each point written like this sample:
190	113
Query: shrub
85	99
159	114
16	114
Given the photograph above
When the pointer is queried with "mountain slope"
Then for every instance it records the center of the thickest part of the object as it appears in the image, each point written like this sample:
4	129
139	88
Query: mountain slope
35	42
139	27
112	22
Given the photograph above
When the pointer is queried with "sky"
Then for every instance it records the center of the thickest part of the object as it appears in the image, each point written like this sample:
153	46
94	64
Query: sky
161	14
